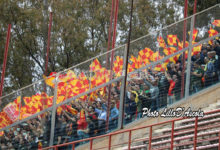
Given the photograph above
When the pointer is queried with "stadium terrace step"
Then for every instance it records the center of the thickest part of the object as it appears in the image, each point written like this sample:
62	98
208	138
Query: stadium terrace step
201	133
182	122
211	146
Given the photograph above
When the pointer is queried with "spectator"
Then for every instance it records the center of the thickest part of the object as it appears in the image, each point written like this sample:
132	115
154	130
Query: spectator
154	93
209	71
171	96
196	77
113	117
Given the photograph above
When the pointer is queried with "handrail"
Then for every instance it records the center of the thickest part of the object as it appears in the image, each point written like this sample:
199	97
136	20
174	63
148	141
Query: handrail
130	131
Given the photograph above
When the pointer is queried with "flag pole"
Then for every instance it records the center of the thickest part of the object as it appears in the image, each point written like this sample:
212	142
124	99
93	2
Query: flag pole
5	60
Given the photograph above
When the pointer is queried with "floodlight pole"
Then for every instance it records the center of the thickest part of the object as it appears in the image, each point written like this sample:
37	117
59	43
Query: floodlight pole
5	60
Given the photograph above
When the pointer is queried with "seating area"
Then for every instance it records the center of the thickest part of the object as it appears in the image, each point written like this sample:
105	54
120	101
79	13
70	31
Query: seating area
184	133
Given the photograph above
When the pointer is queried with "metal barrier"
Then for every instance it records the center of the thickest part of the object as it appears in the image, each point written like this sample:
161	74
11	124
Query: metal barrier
129	131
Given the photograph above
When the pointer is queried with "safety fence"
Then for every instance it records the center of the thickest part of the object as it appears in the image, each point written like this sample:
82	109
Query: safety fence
47	111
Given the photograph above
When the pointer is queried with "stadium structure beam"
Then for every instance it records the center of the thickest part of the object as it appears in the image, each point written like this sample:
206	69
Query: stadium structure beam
5	60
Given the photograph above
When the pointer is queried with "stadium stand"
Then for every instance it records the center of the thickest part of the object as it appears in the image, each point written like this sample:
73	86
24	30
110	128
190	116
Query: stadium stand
74	105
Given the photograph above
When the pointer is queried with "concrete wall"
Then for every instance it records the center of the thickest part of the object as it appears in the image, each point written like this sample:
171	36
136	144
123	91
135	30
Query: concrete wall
199	100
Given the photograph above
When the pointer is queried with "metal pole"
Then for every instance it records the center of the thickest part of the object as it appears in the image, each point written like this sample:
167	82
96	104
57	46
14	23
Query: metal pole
111	67
109	142
48	44
54	106
129	140
195	133
126	65
195	5
188	72
172	136
121	107
150	138
19	112
219	141
183	56
194	11
5	59
91	142
110	32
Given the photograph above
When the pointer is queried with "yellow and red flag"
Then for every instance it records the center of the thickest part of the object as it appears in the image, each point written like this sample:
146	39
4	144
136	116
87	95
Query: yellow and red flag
216	23
212	32
118	66
172	40
195	33
161	42
95	65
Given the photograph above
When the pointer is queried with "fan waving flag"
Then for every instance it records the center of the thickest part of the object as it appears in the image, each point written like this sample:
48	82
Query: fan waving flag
216	23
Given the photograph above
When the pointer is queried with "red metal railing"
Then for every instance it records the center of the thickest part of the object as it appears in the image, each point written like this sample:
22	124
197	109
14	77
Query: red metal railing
109	146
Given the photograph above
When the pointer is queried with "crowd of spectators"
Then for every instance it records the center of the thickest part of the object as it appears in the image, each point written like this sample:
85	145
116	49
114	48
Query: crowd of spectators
150	89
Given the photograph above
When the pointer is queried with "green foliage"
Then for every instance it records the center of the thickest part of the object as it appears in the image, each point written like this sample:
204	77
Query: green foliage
79	32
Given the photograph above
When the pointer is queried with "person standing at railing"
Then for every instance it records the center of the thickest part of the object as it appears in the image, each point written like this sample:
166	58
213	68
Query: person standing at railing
171	92
209	71
154	93
113	117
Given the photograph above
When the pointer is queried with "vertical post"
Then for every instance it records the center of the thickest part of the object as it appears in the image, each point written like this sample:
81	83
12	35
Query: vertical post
19	112
110	32
129	140
48	44
172	136
219	141
188	72
184	42
73	146
122	97
150	138
109	142
194	8
121	106
90	76
54	106
5	59
195	133
91	142
111	64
